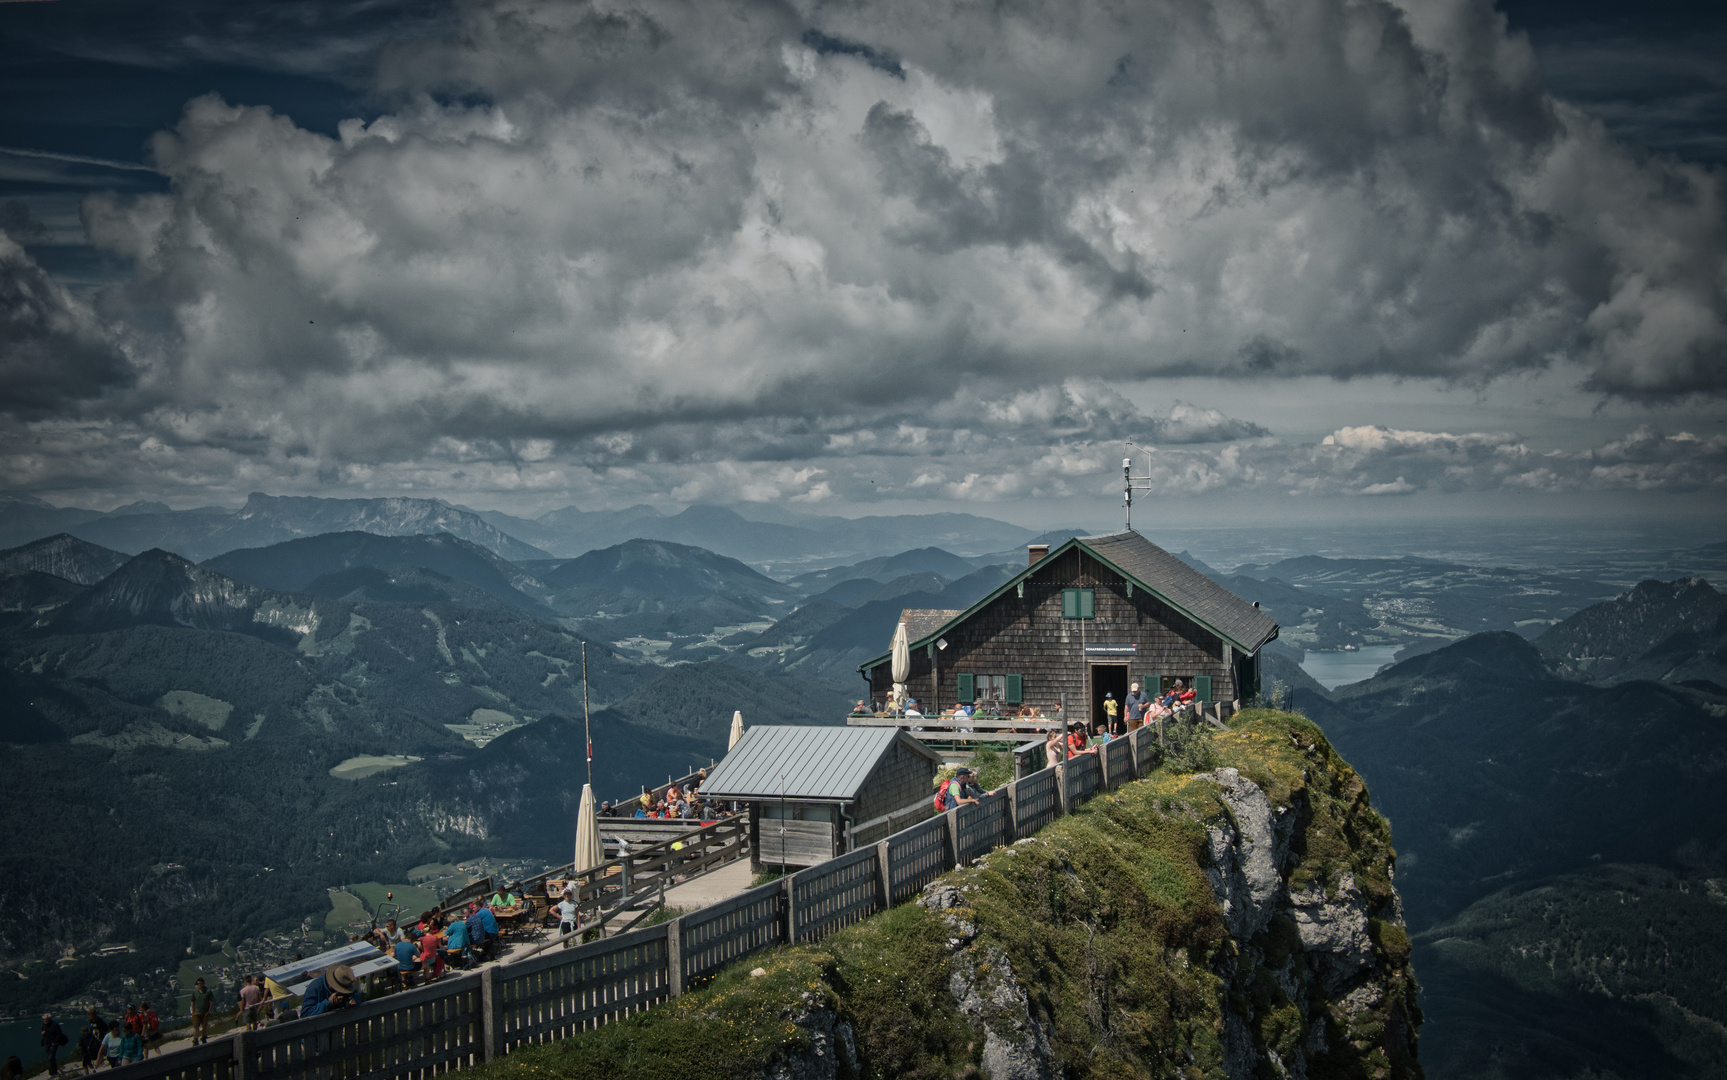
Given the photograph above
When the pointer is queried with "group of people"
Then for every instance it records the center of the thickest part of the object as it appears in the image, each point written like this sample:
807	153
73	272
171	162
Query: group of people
1143	708
102	1042
962	789
458	940
1118	719
675	802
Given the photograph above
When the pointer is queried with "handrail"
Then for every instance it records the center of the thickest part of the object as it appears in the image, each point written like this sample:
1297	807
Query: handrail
597	982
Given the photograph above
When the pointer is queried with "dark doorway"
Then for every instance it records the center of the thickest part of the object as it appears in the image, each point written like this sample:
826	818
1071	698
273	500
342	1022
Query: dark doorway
1106	679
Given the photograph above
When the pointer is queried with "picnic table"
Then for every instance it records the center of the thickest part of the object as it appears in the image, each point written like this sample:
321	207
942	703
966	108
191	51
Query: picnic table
291	979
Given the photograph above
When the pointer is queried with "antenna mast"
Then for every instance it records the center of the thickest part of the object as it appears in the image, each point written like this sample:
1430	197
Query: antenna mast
1131	483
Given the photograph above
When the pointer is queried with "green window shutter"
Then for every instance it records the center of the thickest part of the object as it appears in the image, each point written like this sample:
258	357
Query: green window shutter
1070	603
1148	682
1015	689
1202	687
1087	603
967	687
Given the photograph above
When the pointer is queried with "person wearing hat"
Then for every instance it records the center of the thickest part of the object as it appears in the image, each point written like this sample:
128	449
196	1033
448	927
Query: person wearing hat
334	989
1138	702
1111	711
569	914
962	790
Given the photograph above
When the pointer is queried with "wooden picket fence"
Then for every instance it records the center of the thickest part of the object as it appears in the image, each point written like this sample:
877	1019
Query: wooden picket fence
477	1017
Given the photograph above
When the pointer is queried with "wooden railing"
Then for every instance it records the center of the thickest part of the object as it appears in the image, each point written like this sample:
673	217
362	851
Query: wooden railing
480	1017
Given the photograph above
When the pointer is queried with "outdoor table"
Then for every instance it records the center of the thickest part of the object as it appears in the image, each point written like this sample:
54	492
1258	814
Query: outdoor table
292	979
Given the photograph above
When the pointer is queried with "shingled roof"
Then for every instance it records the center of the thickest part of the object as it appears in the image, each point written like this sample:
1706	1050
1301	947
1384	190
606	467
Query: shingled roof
922	622
1204	600
805	762
1151	568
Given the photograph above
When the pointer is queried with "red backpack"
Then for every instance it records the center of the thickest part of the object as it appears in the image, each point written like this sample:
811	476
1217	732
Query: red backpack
941	795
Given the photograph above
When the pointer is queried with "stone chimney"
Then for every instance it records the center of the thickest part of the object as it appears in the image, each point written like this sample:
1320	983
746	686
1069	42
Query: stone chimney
1034	552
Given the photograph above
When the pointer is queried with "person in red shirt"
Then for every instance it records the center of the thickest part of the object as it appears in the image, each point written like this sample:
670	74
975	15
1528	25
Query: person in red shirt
432	952
152	1030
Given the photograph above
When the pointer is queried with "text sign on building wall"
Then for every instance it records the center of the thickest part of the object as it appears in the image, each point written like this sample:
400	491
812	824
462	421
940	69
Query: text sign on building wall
1112	650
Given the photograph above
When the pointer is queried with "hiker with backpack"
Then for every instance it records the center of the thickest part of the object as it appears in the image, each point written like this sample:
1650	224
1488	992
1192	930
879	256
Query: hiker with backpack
961	790
52	1040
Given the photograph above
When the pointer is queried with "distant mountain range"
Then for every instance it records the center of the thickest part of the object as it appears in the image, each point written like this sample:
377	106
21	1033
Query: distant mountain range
179	728
326	566
64	556
1670	631
772	546
1516	776
783	546
265	519
826	639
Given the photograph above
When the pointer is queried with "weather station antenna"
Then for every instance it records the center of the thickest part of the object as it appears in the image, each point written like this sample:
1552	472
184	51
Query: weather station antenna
1131	483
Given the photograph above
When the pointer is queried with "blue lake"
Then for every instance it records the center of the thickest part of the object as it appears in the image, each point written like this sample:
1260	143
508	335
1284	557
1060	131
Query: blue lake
20	1037
1334	669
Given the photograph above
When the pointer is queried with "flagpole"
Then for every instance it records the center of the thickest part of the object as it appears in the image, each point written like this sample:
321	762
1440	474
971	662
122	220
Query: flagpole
587	719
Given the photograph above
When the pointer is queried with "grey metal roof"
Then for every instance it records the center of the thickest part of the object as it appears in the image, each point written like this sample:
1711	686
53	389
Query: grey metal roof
810	762
1212	605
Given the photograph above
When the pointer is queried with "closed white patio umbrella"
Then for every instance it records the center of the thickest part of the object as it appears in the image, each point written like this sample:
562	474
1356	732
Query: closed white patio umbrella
737	729
901	663
589	853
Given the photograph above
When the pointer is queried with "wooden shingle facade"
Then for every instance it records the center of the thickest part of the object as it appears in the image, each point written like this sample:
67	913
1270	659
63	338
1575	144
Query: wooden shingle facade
817	792
1088	618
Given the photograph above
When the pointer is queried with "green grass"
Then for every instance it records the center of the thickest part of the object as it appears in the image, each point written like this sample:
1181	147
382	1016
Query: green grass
1107	920
345	909
359	768
412	899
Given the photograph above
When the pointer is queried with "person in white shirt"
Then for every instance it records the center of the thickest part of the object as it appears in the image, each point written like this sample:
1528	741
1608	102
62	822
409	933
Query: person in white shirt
569	917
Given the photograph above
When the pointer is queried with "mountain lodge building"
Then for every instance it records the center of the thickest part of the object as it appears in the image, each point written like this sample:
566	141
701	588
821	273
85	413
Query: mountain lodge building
1088	618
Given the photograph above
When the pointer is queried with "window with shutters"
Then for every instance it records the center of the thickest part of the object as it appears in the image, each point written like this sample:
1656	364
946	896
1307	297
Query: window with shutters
1078	603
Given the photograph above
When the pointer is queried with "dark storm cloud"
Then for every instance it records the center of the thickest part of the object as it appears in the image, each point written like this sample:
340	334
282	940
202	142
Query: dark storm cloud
53	354
760	242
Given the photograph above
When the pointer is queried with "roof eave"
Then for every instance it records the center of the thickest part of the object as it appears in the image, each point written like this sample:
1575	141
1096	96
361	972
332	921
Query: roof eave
1032	568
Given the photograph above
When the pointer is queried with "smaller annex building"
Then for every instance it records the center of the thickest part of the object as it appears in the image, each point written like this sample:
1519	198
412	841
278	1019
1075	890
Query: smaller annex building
1086	619
817	792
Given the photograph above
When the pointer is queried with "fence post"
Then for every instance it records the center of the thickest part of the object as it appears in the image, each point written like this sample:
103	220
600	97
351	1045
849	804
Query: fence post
788	898
623	880
243	1069
1011	794
1103	776
952	817
675	957
491	1042
883	877
1061	788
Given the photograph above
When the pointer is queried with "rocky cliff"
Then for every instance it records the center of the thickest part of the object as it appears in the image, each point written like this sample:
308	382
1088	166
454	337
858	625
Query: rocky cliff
1234	922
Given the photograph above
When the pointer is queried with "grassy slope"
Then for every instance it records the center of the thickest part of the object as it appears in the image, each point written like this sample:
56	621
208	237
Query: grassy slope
1107	919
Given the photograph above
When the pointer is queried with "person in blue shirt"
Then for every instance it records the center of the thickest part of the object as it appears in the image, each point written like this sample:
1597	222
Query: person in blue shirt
334	989
407	953
456	943
482	930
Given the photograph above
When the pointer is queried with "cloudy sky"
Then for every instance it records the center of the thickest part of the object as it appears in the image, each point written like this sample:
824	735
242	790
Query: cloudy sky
1424	256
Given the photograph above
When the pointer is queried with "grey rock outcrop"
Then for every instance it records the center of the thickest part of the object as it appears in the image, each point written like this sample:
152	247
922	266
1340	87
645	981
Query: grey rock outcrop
1332	976
832	1050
